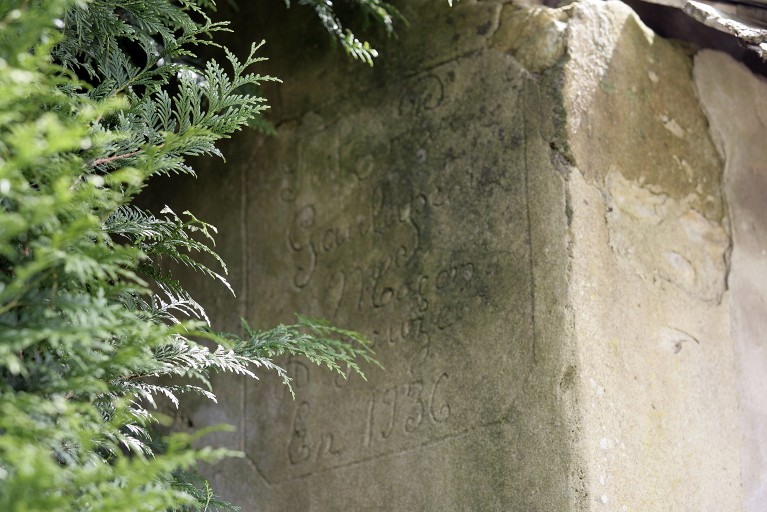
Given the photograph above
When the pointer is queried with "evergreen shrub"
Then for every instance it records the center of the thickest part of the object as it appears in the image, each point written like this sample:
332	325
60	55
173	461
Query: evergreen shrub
95	98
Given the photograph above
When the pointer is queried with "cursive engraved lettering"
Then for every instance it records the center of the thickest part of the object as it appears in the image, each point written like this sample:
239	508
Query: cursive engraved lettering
441	413
409	403
414	420
369	426
298	241
298	447
337	291
422	94
390	399
327	446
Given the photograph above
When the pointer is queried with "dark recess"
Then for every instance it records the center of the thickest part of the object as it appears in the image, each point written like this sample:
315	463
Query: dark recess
672	23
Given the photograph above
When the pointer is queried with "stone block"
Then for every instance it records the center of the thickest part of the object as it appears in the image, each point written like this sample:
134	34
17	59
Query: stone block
523	208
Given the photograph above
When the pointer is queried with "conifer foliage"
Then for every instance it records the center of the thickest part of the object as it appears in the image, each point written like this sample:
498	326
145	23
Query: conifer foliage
95	98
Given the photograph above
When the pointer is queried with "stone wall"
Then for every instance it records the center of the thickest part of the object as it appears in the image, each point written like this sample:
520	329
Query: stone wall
649	256
525	211
736	104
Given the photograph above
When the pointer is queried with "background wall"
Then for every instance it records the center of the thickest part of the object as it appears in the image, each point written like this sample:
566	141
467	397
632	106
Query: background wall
524	209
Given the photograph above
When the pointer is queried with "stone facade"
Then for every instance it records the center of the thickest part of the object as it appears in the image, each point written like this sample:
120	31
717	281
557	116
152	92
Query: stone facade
736	104
525	211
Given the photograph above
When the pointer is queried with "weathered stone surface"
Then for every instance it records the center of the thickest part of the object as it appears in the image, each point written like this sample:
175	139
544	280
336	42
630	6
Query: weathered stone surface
658	401
396	228
424	209
523	209
663	238
407	217
736	104
628	89
534	36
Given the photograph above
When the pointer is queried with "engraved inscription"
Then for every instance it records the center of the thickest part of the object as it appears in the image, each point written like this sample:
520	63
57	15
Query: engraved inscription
403	408
304	446
421	245
298	449
424	93
400	409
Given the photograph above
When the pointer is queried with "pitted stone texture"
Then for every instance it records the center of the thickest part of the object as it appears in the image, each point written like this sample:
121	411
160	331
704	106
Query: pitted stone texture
736	103
436	34
654	360
419	204
630	92
545	291
535	36
658	399
407	217
414	249
666	239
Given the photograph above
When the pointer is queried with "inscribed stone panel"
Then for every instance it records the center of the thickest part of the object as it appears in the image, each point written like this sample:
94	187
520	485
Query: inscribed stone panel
405	218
